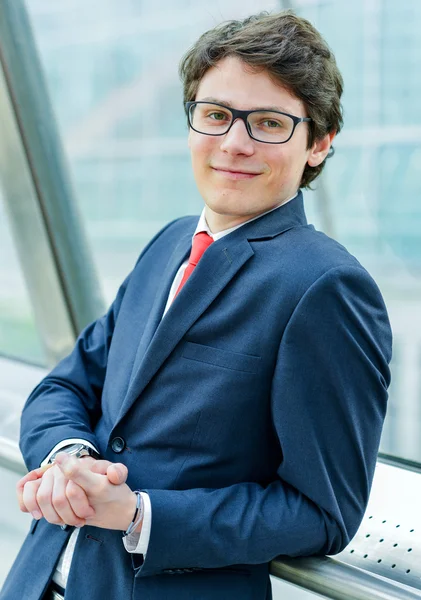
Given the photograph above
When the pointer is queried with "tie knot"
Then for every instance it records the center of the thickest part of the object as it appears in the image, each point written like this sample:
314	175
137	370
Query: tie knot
201	241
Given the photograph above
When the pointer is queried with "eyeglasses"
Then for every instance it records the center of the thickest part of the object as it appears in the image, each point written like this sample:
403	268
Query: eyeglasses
268	126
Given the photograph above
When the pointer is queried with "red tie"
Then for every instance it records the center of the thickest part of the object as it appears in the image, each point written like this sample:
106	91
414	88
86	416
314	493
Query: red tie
201	241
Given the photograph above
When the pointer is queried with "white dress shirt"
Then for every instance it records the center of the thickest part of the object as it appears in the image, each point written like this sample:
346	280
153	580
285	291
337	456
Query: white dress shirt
138	542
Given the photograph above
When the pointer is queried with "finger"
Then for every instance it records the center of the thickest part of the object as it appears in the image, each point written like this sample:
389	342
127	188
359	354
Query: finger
74	469
44	497
44	468
79	501
117	473
61	504
31	476
29	498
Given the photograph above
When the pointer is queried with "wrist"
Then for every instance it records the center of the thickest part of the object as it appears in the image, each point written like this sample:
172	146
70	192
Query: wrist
139	527
131	509
136	507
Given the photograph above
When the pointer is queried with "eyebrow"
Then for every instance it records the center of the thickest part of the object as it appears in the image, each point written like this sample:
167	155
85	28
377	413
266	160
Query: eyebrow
228	104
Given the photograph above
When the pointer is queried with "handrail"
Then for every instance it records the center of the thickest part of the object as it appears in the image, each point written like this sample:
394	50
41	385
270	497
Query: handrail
339	581
322	575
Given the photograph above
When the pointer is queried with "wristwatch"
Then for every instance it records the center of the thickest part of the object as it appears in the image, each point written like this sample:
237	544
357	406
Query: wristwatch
77	450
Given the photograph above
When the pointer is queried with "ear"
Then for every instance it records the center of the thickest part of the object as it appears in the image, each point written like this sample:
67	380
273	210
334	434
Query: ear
320	149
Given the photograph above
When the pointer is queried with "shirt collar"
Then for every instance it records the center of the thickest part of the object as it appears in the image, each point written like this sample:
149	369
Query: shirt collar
203	226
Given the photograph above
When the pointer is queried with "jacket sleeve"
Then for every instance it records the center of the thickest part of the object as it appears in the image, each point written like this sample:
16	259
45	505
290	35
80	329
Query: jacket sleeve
67	402
328	399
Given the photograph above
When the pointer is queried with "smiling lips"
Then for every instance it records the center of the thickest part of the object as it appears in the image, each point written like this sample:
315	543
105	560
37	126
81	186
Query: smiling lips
235	174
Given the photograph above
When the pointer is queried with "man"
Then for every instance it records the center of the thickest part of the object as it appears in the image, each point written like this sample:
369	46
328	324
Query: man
239	380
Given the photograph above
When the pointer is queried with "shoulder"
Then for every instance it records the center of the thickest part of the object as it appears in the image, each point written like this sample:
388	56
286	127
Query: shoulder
312	255
334	275
320	251
309	263
181	225
176	228
171	233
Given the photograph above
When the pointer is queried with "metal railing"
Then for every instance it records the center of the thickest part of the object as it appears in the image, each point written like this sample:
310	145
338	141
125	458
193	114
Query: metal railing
322	575
339	581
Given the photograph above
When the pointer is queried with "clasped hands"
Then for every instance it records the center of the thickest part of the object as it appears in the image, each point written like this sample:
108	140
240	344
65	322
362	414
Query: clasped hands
77	492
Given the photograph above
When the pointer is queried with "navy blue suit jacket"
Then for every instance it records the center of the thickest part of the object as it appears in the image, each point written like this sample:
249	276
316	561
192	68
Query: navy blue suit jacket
251	413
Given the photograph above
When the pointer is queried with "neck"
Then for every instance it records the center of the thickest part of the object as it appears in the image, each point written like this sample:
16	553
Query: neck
217	222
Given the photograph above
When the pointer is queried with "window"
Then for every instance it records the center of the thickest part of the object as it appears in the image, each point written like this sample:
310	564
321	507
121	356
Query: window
112	76
113	79
18	333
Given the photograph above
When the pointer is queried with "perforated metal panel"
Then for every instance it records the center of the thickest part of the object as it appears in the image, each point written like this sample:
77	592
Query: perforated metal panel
388	547
388	541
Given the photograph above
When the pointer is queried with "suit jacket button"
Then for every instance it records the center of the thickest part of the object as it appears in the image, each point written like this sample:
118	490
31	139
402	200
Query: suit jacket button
118	445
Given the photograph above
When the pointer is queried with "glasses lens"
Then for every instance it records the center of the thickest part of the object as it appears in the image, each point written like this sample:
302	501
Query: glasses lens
268	126
210	118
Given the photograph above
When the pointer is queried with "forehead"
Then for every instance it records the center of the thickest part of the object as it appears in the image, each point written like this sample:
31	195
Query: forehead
233	82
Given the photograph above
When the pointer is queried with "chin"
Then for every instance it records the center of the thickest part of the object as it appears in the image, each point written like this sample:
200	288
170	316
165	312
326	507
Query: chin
223	208
230	204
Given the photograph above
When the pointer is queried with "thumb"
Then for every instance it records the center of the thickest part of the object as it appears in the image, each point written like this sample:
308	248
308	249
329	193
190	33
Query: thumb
117	473
75	470
100	466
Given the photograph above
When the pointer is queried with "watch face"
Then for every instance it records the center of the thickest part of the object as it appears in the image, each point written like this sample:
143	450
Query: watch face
75	449
78	450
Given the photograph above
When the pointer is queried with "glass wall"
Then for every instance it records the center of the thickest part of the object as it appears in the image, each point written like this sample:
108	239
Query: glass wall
374	180
112	76
18	334
113	79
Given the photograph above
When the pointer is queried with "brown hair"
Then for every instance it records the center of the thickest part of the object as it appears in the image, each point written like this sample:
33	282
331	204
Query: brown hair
292	51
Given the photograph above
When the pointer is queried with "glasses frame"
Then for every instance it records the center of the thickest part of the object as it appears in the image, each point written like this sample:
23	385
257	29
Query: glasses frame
243	115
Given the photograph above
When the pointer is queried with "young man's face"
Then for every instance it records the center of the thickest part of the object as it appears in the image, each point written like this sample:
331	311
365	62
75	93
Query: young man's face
273	171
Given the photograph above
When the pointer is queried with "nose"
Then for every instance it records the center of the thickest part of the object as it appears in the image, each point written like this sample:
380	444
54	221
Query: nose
237	140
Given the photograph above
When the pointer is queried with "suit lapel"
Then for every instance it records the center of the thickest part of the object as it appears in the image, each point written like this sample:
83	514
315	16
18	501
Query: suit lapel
221	261
179	255
216	268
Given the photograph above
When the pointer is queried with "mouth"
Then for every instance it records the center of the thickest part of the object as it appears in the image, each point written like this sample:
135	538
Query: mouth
232	174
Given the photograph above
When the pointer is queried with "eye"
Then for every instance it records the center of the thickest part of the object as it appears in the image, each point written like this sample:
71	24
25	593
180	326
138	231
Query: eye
218	116
271	124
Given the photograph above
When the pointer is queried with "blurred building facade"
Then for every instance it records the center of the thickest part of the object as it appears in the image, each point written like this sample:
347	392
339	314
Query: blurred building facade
112	71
